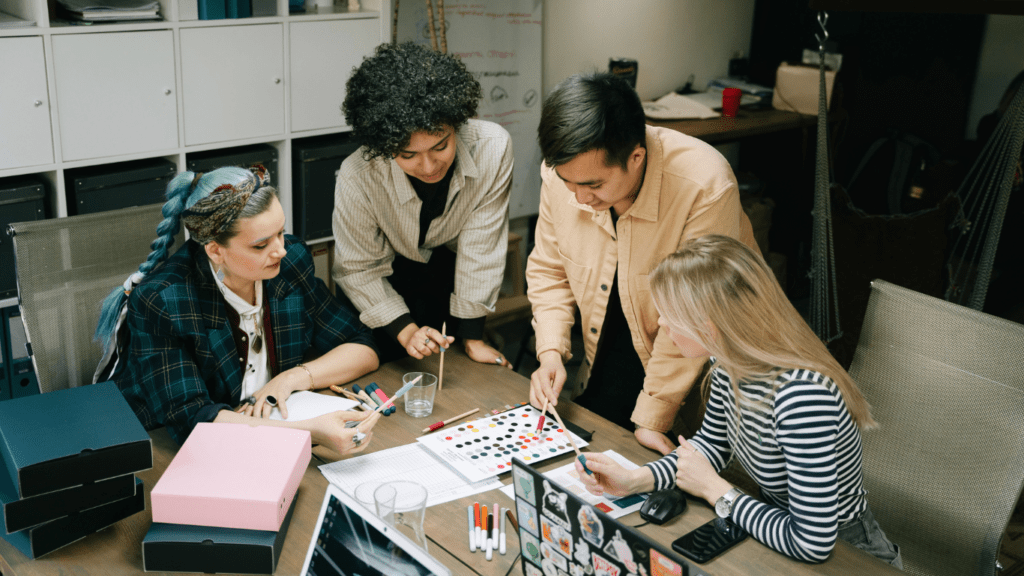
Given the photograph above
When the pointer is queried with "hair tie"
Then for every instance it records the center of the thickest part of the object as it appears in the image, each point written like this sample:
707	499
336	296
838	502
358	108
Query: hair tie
195	181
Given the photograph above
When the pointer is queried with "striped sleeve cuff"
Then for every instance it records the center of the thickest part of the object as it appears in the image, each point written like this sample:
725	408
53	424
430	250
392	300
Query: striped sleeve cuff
664	471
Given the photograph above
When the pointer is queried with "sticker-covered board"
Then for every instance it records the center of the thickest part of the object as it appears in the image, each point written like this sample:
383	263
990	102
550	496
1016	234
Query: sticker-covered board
484	448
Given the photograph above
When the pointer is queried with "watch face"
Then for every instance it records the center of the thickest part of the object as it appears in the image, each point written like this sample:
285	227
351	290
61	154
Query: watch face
723	507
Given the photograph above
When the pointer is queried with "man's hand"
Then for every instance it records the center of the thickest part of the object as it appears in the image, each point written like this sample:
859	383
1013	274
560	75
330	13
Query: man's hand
547	380
479	351
654	440
420	342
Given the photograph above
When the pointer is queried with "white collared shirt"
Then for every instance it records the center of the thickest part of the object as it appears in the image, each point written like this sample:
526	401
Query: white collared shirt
257	366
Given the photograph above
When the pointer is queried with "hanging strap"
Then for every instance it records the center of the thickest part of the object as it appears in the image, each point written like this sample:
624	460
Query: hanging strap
824	297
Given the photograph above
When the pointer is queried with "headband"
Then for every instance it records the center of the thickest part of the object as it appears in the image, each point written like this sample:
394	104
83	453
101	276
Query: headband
214	214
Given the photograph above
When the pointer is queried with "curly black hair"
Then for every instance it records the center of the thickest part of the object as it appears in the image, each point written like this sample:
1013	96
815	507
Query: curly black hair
407	88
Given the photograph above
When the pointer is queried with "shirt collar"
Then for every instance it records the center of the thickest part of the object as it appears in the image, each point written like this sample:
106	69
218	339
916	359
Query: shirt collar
237	302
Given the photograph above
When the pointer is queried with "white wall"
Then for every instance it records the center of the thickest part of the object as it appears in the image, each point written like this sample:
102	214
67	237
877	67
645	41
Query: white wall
1002	57
670	39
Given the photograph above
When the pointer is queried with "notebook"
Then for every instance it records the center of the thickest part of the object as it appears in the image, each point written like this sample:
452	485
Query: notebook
348	539
559	532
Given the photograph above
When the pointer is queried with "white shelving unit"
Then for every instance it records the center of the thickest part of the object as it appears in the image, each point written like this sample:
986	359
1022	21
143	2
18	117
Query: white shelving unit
74	96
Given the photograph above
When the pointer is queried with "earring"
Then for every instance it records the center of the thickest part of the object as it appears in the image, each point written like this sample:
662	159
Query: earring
220	274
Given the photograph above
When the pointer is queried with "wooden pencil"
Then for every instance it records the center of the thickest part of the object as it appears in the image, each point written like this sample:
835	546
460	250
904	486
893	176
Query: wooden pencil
579	455
444	423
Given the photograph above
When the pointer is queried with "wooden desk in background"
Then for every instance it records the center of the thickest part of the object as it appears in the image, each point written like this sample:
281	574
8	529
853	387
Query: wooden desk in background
747	123
118	550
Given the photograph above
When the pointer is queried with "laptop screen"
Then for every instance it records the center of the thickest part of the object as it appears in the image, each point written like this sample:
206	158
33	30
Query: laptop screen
560	532
348	539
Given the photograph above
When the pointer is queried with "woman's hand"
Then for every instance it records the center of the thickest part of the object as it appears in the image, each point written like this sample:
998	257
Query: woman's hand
609	477
696	475
479	351
654	440
329	430
548	379
420	342
280	388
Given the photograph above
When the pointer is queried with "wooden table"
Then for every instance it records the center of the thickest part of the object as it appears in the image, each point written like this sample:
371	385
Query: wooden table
747	123
117	550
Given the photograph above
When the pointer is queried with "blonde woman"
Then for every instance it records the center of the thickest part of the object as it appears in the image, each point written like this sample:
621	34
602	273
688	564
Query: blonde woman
777	400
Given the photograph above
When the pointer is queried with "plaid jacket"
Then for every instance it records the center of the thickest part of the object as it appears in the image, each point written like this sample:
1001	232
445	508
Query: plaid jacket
183	365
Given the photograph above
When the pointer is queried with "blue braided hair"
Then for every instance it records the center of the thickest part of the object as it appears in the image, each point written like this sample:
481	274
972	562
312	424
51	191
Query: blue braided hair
183	192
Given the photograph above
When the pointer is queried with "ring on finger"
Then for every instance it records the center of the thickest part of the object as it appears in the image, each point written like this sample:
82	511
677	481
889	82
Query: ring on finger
426	341
271	400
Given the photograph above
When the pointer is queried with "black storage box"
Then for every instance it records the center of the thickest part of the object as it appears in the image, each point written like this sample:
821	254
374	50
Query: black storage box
183	548
45	538
243	156
112	186
315	165
19	514
21	200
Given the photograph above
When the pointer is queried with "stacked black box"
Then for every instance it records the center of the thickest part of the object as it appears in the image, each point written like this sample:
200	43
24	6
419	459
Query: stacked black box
21	200
243	156
120	185
68	459
315	165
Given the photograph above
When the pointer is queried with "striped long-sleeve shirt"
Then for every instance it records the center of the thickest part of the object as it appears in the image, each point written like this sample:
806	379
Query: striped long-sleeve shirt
796	439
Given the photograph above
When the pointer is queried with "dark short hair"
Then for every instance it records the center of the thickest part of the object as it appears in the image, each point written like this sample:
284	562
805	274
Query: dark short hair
591	112
407	88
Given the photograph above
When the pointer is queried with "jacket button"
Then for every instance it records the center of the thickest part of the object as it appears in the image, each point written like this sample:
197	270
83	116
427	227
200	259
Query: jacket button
240	359
593	330
243	338
604	287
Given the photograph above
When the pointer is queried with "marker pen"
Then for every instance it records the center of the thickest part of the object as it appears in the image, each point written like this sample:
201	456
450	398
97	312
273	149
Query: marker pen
471	526
490	544
483	527
380	394
476	531
501	542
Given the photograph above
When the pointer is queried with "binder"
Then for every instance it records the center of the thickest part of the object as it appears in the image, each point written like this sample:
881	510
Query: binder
70	437
45	538
211	482
315	165
19	514
21	200
212	10
181	548
238	9
20	370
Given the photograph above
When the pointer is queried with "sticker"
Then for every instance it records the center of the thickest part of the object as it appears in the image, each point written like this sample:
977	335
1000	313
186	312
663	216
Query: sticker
577	570
551	554
554	505
590	526
530	545
549	567
617	549
527	517
604	567
555	535
532	570
603	507
663	566
523	482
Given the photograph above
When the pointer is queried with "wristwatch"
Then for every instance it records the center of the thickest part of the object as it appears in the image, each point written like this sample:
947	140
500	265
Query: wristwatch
723	507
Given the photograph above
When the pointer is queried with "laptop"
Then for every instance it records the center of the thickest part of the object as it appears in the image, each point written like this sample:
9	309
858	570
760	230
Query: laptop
559	532
348	540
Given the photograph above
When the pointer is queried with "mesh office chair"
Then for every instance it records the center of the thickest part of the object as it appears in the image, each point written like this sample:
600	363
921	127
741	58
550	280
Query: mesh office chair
945	470
66	266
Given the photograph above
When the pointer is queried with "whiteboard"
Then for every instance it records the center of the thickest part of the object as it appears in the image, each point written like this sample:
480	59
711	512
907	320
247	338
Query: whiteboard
500	43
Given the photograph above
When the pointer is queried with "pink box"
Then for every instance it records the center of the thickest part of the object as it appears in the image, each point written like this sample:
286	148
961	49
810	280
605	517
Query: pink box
233	476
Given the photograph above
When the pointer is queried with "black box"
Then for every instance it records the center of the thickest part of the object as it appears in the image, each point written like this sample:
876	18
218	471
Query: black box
21	200
112	186
19	514
315	165
45	538
182	548
103	439
243	156
21	373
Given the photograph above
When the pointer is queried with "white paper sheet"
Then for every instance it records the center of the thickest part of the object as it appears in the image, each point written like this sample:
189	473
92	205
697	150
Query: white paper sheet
674	106
567	478
306	405
409	462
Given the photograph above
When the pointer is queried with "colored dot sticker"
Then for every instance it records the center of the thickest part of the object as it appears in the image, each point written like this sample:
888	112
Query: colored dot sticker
447	437
493	425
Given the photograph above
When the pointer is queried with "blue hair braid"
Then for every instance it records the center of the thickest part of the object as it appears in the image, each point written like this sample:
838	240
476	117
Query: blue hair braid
178	191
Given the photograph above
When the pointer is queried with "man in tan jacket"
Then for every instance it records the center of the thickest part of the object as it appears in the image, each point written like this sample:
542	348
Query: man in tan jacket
617	197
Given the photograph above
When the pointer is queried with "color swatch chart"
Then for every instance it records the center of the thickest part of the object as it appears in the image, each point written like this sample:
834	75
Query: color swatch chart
484	448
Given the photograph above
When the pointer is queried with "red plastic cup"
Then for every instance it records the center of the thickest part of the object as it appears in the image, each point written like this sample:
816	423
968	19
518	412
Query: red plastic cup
730	102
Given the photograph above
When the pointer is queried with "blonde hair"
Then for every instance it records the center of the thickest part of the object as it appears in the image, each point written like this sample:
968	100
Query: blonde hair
726	297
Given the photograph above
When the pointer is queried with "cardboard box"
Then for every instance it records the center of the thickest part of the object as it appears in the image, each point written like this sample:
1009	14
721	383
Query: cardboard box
18	514
233	476
71	437
45	538
181	548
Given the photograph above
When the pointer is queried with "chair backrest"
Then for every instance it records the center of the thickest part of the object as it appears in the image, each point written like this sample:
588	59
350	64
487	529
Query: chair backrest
945	469
66	266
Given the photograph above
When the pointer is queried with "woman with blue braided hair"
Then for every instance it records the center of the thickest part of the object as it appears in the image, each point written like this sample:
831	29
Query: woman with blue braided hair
217	331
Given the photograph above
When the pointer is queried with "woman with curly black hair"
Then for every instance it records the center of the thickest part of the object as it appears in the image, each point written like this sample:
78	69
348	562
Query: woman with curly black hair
421	210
